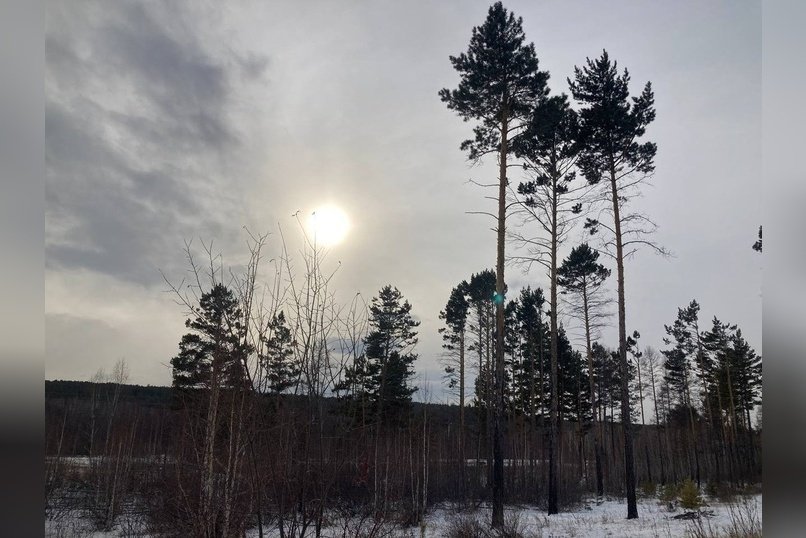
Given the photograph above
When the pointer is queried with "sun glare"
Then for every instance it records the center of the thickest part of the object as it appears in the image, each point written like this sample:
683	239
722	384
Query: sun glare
328	226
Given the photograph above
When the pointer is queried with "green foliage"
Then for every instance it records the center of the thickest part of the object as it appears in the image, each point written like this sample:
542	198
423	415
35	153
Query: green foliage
455	313
572	380
377	385
215	352
532	353
689	495
668	494
481	328
499	81
277	359
684	355
580	271
610	125
148	396
648	489
734	372
745	369
455	316
549	148
528	342
607	378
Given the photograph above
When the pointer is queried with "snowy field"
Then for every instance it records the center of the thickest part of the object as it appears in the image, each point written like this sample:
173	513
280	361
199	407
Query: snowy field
604	519
600	520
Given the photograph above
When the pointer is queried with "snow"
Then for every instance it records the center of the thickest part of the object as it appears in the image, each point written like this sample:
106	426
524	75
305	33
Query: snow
88	461
592	519
76	528
595	520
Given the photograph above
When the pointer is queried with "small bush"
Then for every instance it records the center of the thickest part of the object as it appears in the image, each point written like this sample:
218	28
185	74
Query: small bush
744	520
690	498
471	526
668	495
722	491
513	527
648	489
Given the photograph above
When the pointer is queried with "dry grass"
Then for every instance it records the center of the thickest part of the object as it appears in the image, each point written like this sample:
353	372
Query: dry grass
471	526
744	522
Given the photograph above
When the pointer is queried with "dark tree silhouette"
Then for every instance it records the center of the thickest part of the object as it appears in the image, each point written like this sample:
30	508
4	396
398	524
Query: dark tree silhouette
214	354
529	387
611	127
481	328
380	377
757	244
282	371
679	366
735	378
499	85
582	277
549	148
453	335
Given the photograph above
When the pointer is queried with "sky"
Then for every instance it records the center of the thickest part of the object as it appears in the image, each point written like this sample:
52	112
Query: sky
167	122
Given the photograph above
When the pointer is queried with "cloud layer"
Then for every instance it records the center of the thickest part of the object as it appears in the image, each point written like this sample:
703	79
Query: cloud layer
175	121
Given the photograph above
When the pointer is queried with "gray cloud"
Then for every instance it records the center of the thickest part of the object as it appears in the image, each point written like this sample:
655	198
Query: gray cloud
137	138
182	120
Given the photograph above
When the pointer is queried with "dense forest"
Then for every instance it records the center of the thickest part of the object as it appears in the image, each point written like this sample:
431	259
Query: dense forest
288	404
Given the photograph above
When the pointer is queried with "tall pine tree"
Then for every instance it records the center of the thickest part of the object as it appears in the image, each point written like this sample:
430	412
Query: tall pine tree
500	82
549	148
611	127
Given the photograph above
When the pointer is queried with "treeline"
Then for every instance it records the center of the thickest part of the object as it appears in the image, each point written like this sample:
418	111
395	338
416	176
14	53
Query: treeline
261	448
697	397
59	389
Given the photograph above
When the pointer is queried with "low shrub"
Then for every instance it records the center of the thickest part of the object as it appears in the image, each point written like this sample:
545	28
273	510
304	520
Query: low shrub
668	495
689	495
648	489
744	523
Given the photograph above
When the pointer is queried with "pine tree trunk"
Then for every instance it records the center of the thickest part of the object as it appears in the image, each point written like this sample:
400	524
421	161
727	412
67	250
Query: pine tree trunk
629	460
462	460
703	377
553	503
657	424
592	383
694	445
498	455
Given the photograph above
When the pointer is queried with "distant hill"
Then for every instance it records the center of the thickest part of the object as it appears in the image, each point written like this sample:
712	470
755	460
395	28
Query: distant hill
83	390
151	395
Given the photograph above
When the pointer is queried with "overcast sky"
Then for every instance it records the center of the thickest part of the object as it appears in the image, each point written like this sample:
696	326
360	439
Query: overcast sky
175	121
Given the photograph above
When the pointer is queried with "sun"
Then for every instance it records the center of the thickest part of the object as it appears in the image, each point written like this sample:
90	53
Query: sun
328	226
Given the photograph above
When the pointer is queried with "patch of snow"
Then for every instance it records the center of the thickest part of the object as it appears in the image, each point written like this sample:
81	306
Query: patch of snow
592	519
606	518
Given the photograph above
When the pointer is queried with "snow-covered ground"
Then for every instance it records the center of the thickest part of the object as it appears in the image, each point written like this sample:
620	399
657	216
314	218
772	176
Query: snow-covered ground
590	520
607	518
